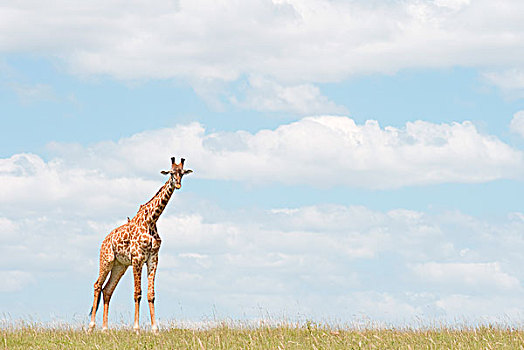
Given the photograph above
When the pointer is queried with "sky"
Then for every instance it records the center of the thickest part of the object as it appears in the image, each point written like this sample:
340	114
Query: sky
354	161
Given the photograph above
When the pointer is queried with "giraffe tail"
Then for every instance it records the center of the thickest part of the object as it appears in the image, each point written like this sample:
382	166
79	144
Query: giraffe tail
97	304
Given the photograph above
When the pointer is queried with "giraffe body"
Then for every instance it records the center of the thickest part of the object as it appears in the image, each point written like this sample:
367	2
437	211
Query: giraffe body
135	243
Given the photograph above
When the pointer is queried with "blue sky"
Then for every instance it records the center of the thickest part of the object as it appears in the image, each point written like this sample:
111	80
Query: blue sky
352	160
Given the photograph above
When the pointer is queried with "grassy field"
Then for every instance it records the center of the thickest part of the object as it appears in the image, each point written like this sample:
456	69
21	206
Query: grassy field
307	336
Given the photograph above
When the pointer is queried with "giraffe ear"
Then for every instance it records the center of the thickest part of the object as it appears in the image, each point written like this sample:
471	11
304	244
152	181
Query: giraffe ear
188	171
163	172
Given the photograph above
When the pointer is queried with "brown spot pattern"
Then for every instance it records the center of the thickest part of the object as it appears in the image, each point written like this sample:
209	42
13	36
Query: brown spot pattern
135	243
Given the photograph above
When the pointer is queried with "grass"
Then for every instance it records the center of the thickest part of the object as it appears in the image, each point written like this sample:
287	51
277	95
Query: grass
308	336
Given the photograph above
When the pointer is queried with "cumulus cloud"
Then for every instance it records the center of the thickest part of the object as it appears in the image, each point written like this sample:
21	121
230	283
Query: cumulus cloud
265	95
56	212
242	262
276	260
29	182
517	123
15	280
286	40
318	151
511	81
480	309
457	275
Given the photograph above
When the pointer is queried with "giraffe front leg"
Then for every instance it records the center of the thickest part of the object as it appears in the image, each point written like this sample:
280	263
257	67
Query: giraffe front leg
137	273
151	272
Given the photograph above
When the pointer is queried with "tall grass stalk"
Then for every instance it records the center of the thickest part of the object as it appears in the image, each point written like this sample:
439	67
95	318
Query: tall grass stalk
241	336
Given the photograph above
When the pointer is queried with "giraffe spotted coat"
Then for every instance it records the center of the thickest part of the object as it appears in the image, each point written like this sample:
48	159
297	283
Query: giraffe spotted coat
135	243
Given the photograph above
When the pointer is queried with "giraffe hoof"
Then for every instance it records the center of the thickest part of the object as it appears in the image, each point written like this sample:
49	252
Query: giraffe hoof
137	330
154	329
104	329
91	327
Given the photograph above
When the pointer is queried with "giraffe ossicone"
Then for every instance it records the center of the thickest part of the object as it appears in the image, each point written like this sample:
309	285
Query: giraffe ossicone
135	243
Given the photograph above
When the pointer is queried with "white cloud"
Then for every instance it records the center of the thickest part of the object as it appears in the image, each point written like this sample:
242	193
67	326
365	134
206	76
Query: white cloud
379	307
55	214
511	81
321	260
265	95
318	151
517	123
454	5
481	309
288	41
28	182
457	275
8	227
33	93
276	262
14	280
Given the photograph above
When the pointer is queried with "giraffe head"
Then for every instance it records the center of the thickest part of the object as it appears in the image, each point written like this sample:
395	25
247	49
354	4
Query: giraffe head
176	172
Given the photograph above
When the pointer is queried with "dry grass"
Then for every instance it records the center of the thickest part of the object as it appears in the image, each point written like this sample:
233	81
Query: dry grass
308	336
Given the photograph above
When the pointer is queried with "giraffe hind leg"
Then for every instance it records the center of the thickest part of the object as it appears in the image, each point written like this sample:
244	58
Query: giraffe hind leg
117	272
105	267
97	305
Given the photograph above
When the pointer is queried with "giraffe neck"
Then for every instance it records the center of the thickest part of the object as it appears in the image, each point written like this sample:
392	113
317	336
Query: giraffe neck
152	210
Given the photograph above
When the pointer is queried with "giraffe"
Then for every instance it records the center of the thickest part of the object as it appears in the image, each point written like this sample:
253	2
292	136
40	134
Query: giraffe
133	244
